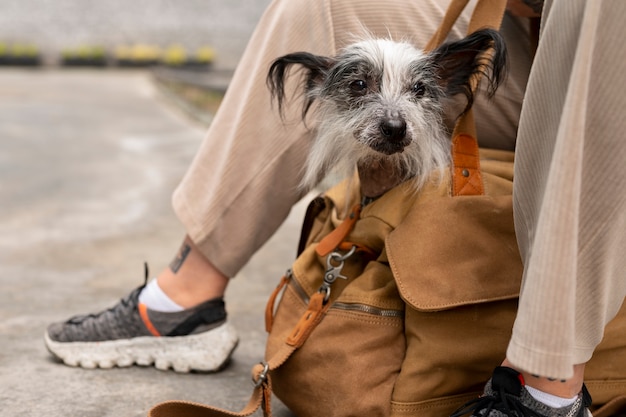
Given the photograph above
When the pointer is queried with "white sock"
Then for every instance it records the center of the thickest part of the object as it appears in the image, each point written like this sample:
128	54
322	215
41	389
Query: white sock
155	299
549	399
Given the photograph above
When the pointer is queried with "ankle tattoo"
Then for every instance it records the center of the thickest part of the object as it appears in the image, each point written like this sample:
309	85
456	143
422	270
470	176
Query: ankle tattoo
180	258
549	379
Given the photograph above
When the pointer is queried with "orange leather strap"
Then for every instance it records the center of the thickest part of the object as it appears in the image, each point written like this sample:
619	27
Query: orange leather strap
331	241
346	246
269	307
452	14
191	409
309	320
466	177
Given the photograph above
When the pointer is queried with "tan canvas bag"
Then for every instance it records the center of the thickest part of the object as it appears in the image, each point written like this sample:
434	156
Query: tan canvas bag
426	308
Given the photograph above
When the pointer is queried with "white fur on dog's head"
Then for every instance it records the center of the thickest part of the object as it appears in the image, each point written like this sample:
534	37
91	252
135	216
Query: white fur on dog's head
380	103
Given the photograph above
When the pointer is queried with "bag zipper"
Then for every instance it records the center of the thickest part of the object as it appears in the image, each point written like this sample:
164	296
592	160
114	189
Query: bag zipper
363	308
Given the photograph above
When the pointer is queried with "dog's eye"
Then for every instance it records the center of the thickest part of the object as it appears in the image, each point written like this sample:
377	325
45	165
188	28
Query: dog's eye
358	86
418	89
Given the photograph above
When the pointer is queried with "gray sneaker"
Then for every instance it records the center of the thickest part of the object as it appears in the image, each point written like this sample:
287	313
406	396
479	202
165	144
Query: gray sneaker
196	339
505	395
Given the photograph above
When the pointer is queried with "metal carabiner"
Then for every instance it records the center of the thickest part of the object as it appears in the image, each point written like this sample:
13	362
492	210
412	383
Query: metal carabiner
337	256
334	271
262	376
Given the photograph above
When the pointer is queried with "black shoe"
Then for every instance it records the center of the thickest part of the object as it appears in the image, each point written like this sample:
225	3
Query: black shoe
505	395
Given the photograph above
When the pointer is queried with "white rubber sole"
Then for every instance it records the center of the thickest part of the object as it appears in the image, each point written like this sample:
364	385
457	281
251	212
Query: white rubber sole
207	351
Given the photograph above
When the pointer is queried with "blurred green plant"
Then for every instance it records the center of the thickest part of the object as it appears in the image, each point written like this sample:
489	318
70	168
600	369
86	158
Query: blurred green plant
21	54
84	55
24	50
205	55
174	56
137	55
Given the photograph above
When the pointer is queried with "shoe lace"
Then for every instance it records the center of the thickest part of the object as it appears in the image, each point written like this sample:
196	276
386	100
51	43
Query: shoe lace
123	303
503	395
500	401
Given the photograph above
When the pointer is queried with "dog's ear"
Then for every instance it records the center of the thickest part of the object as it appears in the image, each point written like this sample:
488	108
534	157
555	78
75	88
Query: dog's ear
483	53
315	66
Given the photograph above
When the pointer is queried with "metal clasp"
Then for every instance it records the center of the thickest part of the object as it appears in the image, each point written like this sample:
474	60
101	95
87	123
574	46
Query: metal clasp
334	264
334	271
262	376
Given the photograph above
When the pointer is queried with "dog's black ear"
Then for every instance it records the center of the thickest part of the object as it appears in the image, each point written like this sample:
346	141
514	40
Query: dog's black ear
457	63
315	66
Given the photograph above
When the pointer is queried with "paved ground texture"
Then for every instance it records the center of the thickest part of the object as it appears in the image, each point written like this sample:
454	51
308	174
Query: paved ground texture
88	162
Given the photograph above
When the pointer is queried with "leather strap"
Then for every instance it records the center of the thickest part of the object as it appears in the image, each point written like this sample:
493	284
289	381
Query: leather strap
466	175
337	238
310	319
271	302
367	252
449	19
487	13
331	241
191	409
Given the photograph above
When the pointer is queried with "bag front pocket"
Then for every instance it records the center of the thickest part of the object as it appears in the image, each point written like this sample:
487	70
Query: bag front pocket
457	267
347	366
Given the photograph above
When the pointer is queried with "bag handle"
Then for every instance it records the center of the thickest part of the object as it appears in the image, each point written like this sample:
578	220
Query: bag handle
488	13
449	19
466	175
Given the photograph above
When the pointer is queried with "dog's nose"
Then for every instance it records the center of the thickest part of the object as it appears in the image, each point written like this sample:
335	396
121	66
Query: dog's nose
393	129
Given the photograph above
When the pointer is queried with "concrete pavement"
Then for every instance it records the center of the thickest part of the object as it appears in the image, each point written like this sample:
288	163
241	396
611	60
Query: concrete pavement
88	162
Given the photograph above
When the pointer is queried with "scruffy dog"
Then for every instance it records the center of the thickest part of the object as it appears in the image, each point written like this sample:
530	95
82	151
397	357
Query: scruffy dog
380	105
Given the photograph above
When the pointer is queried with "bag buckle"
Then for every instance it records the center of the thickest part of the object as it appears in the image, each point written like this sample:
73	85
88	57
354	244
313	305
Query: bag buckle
262	377
334	264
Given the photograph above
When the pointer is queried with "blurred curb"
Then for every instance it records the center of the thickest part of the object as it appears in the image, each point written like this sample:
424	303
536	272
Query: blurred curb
211	81
216	81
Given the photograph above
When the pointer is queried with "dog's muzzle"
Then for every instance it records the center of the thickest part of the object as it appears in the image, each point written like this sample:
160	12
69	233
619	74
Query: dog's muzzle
393	137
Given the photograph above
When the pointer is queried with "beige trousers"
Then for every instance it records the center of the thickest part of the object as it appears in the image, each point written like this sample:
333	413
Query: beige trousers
243	181
569	205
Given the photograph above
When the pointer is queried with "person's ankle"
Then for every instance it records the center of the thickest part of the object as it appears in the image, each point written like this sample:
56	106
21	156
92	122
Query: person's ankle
564	388
189	292
191	278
